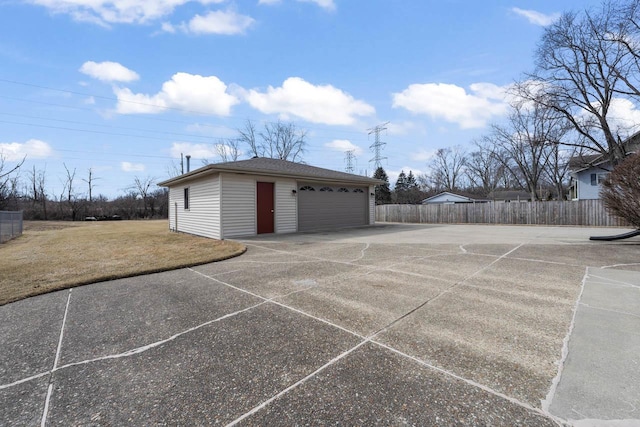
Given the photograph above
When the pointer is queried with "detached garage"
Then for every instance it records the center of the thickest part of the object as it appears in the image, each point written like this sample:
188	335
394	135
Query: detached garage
261	195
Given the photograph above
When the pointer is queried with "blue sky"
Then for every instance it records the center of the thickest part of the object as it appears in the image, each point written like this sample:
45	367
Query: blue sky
123	86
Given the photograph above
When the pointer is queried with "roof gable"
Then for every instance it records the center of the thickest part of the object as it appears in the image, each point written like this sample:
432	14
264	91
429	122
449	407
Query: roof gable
447	197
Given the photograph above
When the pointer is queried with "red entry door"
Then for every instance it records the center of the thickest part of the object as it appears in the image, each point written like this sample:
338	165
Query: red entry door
265	207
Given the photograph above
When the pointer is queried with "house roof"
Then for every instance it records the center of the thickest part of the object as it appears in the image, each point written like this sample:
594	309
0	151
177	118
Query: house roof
509	195
583	162
273	167
455	197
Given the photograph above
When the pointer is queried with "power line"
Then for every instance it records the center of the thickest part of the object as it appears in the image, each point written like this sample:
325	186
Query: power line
378	145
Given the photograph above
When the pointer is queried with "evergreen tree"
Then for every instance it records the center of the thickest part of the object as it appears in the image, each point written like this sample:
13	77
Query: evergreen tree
400	189
411	183
383	193
401	183
412	195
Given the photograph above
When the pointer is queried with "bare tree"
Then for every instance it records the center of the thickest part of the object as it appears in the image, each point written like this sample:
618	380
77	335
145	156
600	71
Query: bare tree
247	136
8	181
523	145
619	24
70	196
142	187
277	141
578	75
37	193
483	168
91	184
448	168
557	168
228	150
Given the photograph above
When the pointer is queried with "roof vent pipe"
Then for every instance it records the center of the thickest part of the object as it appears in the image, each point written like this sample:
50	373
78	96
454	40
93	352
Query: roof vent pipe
188	163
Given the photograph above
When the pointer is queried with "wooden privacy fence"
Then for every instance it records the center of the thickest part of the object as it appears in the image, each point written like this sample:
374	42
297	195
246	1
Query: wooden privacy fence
580	212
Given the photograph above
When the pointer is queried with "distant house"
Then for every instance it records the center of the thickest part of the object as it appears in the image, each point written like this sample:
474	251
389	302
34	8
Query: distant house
589	171
262	195
586	176
508	196
450	198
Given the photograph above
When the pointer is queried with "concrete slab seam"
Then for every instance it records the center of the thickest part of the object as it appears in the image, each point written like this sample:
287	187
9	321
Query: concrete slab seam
273	301
45	411
515	401
305	255
609	281
227	284
373	268
296	384
616	284
317	318
542	261
448	290
546	403
370	339
251	261
24	380
133	351
425	257
626	313
620	265
147	347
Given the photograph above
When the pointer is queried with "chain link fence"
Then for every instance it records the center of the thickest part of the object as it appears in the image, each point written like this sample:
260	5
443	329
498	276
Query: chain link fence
10	225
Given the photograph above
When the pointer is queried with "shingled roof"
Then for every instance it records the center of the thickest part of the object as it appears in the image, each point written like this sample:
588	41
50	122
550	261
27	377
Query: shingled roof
273	167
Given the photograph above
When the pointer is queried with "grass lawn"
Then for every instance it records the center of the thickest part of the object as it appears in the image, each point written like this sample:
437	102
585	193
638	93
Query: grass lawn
57	255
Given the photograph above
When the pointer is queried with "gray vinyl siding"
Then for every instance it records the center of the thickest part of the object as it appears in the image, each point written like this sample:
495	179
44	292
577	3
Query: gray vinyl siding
238	205
203	216
286	206
372	205
585	189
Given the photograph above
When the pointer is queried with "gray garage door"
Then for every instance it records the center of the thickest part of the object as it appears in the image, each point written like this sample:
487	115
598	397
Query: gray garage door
324	206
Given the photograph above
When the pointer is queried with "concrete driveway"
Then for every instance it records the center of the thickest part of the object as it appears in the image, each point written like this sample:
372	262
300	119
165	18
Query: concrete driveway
387	325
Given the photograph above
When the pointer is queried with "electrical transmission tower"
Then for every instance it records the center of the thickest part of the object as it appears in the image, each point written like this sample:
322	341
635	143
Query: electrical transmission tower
349	159
378	145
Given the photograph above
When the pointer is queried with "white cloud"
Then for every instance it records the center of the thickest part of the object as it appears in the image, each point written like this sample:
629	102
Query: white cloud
404	128
33	149
536	18
623	117
132	167
453	104
108	71
104	12
423	155
344	145
189	92
317	104
325	4
215	22
196	151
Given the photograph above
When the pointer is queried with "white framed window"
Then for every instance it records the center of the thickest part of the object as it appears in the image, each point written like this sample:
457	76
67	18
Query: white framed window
186	198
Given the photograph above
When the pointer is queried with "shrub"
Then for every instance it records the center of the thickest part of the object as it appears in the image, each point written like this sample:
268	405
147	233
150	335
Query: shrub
621	190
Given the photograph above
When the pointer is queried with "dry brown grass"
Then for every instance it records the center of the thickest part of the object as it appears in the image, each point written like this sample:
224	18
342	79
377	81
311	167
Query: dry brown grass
57	255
